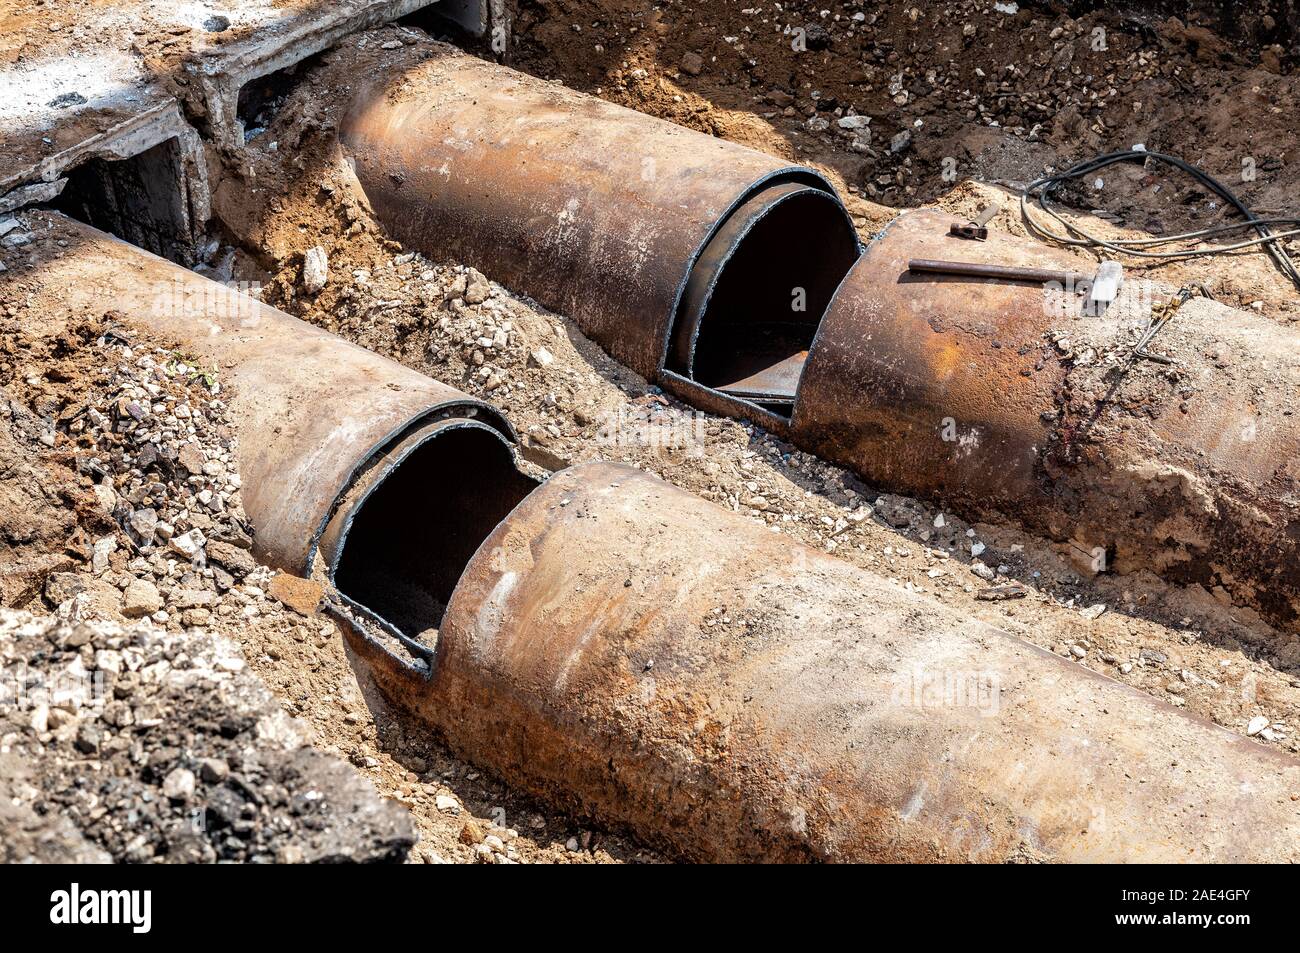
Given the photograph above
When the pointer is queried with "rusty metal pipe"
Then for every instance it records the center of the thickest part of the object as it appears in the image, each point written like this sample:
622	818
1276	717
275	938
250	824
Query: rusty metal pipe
625	649
597	212
659	243
317	417
635	654
1013	402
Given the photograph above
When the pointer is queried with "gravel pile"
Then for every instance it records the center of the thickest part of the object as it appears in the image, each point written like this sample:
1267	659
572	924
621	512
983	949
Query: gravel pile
135	744
156	443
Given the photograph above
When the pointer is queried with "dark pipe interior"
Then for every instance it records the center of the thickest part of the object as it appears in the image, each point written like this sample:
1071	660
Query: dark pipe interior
412	538
751	322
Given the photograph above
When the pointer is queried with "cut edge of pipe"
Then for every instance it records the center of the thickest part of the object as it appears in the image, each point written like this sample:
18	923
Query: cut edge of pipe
383	461
830	306
791	173
387	455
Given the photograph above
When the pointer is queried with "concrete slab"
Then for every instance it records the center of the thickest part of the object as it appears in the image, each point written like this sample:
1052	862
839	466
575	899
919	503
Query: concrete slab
114	78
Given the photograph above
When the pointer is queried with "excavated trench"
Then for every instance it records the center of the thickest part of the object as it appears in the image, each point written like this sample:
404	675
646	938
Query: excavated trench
555	633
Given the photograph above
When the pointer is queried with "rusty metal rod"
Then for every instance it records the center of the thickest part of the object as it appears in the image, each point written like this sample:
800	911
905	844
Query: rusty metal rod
976	269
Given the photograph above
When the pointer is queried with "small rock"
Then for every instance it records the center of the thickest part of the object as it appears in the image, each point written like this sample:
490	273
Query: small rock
182	599
239	562
447	804
477	288
213	770
105	498
1257	724
1012	590
144	523
1153	656
100	552
179	784
692	64
901	141
141	598
315	270
191	457
1093	611
88	739
541	358
303	596
197	617
190	545
471	833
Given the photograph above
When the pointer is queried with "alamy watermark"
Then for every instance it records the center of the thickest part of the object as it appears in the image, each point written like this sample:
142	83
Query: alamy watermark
923	687
654	427
229	302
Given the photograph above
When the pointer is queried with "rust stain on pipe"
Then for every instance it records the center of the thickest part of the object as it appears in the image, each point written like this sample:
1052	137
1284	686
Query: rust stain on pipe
931	385
635	654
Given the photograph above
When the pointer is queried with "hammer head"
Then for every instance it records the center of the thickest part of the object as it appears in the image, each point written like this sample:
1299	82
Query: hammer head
1105	284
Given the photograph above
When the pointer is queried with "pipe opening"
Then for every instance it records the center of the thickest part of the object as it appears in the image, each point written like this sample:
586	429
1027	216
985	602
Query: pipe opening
757	294
139	199
411	538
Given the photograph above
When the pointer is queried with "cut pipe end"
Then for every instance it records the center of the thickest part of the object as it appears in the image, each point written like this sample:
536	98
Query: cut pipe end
403	533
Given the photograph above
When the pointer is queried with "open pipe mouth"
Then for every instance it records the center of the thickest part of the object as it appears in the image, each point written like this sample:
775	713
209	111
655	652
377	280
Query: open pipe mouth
403	534
757	293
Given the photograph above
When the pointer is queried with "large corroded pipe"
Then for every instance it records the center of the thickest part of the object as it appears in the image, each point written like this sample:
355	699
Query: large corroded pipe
315	414
596	211
678	253
636	654
1007	400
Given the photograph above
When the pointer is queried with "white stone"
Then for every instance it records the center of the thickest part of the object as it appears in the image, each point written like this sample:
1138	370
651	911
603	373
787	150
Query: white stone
315	269
179	784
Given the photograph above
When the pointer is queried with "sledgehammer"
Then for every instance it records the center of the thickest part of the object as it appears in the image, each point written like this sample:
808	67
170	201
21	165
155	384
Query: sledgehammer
1102	288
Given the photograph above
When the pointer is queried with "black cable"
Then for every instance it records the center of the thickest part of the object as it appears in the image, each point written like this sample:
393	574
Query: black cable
1044	187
